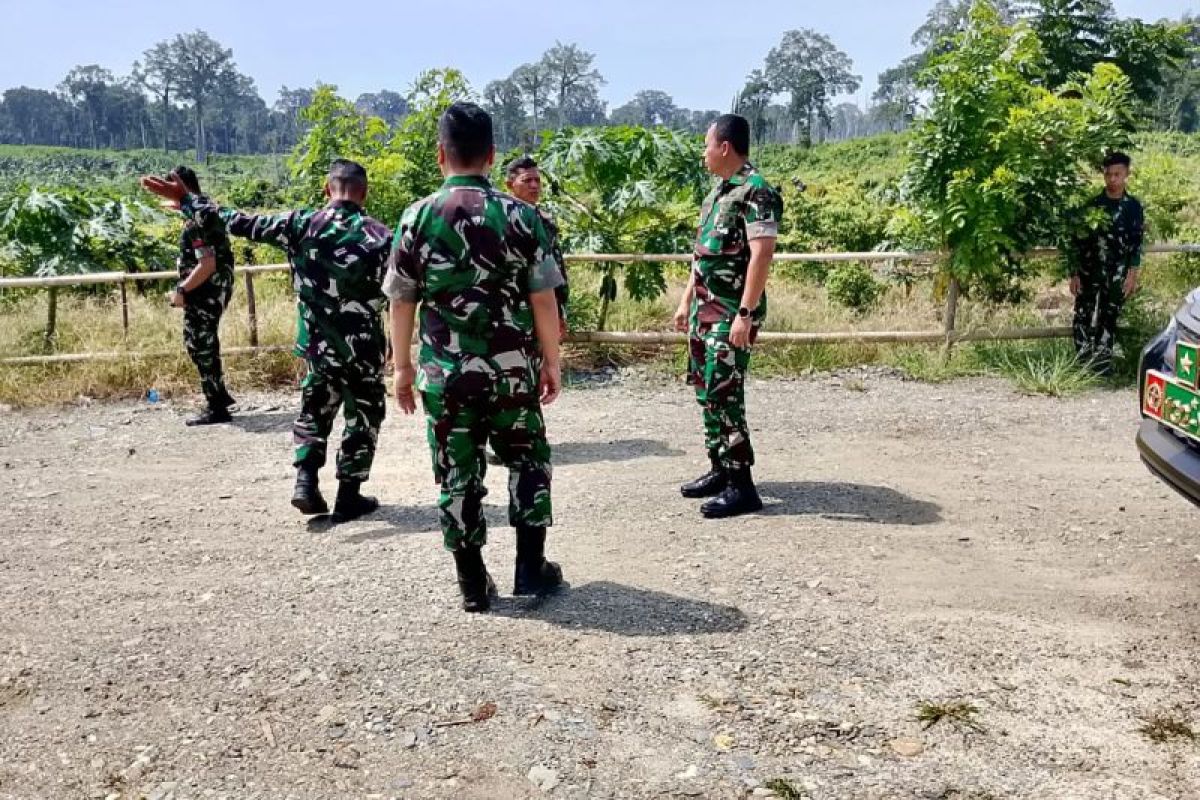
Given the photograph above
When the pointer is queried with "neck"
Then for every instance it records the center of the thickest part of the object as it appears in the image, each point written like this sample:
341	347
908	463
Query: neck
1118	194
732	169
342	198
451	171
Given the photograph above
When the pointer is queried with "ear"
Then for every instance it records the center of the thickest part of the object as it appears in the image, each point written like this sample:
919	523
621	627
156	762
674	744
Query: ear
327	191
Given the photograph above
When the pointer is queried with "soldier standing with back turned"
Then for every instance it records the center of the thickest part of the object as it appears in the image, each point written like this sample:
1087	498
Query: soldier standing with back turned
338	255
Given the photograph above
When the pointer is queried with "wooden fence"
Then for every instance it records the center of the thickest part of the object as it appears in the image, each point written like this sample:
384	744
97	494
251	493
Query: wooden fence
947	335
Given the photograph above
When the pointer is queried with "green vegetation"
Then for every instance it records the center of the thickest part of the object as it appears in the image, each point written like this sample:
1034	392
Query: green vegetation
984	175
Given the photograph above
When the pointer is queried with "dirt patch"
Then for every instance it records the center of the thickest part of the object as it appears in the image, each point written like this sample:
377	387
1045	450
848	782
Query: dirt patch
169	627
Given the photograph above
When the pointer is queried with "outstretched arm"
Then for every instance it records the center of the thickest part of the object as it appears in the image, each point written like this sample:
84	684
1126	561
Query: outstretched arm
276	229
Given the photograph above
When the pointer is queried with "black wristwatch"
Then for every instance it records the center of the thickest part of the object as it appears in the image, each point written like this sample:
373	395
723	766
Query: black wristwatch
743	312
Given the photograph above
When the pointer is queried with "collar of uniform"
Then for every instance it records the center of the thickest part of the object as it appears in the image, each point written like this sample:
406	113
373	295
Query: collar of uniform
739	177
348	205
474	181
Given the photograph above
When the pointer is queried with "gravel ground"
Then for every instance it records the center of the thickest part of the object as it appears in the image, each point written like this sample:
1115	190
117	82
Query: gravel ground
171	628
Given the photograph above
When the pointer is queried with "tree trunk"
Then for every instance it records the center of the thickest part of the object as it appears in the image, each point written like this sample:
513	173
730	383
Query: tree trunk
166	120
201	155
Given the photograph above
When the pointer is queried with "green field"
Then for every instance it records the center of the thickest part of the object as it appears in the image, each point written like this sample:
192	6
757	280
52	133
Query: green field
850	193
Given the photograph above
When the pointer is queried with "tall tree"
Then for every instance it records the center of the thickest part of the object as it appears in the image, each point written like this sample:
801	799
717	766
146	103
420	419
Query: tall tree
533	82
896	95
575	83
812	71
87	87
201	64
648	107
155	73
291	106
389	106
503	101
35	116
752	102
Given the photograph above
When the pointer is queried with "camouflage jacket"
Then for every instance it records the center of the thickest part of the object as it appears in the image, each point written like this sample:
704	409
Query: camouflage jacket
338	255
471	255
562	293
198	240
1119	242
737	210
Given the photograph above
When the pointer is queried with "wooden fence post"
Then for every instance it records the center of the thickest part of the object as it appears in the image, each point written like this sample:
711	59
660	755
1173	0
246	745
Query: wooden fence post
51	316
951	315
251	310
124	310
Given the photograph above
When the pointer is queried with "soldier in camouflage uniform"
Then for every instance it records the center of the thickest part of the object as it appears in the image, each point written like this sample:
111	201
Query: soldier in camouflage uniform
1107	263
479	263
338	255
524	181
205	286
723	308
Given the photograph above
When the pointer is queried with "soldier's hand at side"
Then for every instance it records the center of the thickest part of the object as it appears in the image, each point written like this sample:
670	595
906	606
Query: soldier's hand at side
1131	284
176	300
550	383
562	329
1073	285
739	333
680	319
405	375
170	188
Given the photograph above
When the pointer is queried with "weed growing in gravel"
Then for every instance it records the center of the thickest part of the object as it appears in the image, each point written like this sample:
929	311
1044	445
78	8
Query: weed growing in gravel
960	714
1046	368
784	789
1162	728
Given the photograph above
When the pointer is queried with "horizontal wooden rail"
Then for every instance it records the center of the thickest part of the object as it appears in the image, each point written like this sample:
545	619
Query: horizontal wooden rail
92	278
624	338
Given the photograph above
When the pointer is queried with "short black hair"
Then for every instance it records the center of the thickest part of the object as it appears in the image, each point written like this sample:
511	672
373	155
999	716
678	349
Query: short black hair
735	129
347	175
465	133
187	176
1117	159
519	164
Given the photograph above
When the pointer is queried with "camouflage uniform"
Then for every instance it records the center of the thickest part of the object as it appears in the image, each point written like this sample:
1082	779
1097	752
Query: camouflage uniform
204	305
471	256
1104	259
338	255
562	294
737	210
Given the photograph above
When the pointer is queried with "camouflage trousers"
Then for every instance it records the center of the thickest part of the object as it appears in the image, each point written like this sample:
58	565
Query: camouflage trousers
1101	297
201	323
361	395
461	418
717	371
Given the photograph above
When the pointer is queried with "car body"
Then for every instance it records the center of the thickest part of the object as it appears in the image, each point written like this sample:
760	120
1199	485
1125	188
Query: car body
1168	437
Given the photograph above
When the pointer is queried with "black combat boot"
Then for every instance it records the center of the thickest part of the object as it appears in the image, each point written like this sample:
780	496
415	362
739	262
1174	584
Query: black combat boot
307	496
473	579
350	503
740	497
210	416
710	483
534	574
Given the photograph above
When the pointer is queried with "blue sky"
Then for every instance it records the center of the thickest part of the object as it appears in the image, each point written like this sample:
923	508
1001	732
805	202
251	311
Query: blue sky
699	51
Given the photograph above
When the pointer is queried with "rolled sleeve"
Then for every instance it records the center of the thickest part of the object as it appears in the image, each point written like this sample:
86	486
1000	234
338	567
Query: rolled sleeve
545	275
403	280
762	211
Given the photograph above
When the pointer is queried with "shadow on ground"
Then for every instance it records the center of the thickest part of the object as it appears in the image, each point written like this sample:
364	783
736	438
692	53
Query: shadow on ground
853	502
387	522
624	610
619	450
272	421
